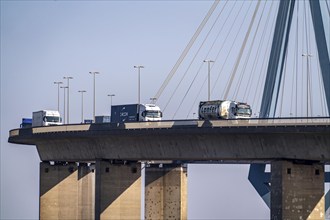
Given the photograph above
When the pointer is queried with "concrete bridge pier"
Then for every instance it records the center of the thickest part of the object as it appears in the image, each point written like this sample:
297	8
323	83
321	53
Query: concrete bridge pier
86	191
117	190
166	192
297	190
58	191
66	191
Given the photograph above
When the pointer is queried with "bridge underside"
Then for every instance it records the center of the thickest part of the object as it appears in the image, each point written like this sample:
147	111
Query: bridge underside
232	144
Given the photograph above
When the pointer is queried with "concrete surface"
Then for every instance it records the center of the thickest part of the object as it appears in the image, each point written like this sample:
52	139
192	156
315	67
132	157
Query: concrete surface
297	191
58	191
235	141
117	191
166	193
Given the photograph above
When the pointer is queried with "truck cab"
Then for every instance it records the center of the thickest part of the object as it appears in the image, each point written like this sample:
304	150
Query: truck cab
46	118
243	110
150	112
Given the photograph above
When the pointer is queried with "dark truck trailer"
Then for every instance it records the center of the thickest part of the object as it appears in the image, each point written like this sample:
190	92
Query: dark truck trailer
102	119
26	123
124	113
135	112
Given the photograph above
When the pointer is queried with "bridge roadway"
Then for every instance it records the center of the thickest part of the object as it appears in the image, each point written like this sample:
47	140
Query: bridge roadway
237	141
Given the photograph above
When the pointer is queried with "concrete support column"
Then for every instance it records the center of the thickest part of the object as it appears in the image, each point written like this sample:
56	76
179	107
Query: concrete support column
86	192
297	191
58	191
117	191
166	192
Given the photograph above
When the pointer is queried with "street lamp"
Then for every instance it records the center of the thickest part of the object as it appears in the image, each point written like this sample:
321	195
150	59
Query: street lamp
82	105
308	73
68	85
153	100
209	80
94	73
64	87
139	69
58	94
111	95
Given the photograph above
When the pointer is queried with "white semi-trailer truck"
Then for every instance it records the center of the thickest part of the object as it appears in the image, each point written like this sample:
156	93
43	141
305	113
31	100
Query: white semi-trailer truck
46	118
223	109
135	112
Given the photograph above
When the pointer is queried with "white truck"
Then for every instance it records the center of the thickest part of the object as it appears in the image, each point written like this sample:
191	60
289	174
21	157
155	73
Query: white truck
46	118
223	109
135	112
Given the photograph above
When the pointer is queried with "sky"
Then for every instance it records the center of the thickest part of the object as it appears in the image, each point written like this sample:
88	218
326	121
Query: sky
43	41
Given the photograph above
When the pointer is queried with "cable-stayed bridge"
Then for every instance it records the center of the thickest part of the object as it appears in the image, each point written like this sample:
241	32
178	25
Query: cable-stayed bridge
280	65
238	37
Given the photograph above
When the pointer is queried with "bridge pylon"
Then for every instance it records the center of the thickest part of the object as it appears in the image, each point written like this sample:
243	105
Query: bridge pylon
268	109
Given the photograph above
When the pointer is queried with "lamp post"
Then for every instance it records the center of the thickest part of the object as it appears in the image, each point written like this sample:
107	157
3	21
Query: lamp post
139	84
64	87
111	95
94	73
209	80
68	85
82	105
58	94
307	77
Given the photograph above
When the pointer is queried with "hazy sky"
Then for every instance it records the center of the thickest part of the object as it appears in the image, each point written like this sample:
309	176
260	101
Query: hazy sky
43	41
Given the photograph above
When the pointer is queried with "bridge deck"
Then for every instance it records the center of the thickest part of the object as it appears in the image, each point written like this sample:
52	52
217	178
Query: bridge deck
189	140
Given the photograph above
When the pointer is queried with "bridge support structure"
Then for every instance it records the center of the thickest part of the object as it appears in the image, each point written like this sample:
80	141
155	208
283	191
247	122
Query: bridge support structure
72	191
107	190
297	190
275	70
166	192
66	191
86	189
117	191
114	184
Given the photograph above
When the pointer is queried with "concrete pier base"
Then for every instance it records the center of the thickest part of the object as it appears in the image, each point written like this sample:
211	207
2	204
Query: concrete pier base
117	191
166	193
86	192
297	191
58	191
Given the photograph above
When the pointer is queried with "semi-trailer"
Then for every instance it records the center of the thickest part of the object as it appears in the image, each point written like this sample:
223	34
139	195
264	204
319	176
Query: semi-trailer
135	112
223	109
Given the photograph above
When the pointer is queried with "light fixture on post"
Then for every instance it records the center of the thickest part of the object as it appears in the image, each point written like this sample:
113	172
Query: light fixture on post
153	100
94	73
82	105
58	94
68	107
209	78
111	95
64	87
139	81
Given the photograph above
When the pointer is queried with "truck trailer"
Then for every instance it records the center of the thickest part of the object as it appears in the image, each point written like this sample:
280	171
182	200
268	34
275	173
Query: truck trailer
26	123
135	112
46	118
102	119
223	109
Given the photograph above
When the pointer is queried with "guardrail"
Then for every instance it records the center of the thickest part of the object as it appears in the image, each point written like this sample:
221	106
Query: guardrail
179	123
